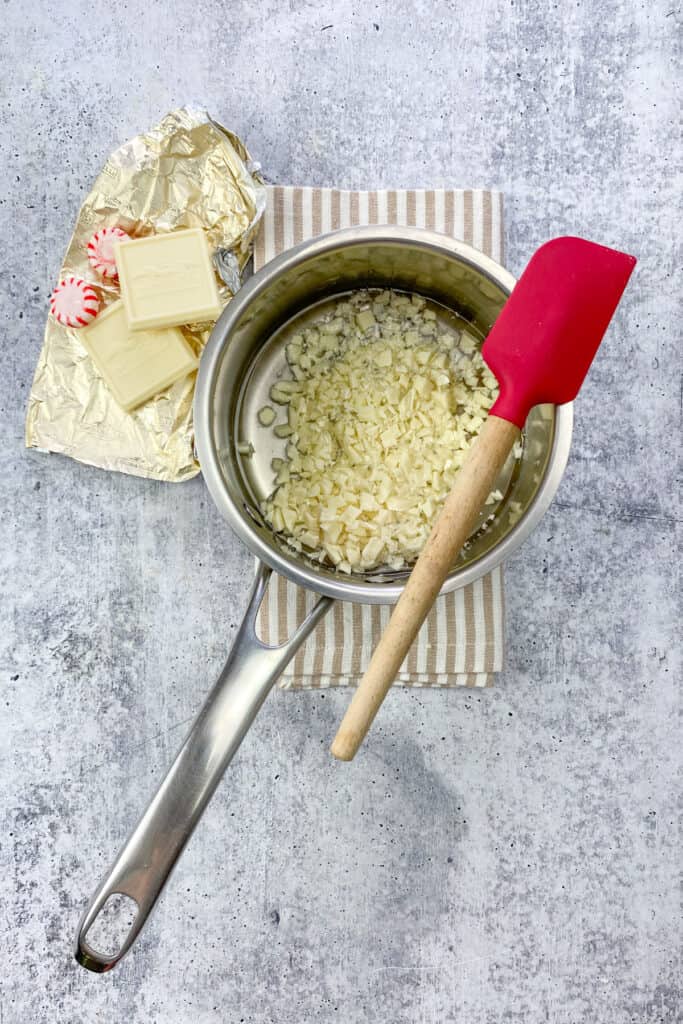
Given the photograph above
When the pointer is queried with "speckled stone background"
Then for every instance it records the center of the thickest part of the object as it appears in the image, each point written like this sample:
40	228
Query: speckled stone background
491	857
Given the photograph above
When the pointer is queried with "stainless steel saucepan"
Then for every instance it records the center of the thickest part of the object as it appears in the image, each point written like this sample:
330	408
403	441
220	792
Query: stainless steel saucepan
244	355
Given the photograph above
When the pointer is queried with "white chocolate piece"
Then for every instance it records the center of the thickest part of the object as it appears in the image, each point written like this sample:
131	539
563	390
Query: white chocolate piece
167	280
136	365
365	320
283	430
266	416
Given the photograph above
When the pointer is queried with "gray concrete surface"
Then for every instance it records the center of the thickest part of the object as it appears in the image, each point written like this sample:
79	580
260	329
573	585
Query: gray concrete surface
506	856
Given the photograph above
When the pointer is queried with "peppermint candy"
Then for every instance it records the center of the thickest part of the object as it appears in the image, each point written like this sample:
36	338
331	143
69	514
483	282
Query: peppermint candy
101	251
74	302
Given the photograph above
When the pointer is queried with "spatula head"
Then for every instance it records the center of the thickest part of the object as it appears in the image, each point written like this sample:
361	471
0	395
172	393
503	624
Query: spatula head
546	335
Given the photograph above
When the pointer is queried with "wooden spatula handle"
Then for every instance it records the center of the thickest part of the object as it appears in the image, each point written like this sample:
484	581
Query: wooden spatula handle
474	483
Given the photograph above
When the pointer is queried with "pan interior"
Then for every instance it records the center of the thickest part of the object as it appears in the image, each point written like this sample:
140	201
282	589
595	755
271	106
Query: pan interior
257	446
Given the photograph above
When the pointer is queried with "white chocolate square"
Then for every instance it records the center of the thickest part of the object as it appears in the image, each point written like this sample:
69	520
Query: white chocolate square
136	365
167	280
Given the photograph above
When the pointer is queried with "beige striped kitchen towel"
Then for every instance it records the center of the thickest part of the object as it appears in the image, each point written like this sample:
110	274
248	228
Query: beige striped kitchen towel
461	642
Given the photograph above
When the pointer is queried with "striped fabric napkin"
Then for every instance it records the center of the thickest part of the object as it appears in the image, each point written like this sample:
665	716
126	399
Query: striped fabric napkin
461	642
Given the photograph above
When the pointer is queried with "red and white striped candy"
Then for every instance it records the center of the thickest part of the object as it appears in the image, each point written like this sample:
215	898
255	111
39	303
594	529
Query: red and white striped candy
101	250
74	302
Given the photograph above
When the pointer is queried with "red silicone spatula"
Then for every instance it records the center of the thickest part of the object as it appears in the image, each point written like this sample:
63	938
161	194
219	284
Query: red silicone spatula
540	349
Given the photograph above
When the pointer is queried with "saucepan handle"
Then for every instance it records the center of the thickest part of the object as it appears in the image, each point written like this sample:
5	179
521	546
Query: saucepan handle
147	858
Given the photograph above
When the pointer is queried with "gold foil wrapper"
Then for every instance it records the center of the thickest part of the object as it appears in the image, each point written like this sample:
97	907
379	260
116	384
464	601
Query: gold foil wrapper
188	171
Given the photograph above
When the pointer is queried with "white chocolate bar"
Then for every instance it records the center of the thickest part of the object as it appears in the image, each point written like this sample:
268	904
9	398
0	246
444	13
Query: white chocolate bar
167	280
137	365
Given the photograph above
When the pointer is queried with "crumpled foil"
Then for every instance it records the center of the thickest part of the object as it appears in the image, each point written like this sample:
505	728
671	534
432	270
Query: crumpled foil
188	171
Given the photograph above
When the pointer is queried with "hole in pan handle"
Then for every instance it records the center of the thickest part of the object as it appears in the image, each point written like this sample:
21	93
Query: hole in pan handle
149	855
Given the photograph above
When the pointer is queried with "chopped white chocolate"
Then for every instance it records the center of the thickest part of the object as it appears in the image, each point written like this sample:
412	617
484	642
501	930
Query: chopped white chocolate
137	365
266	416
283	430
167	280
468	344
365	320
494	497
380	416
